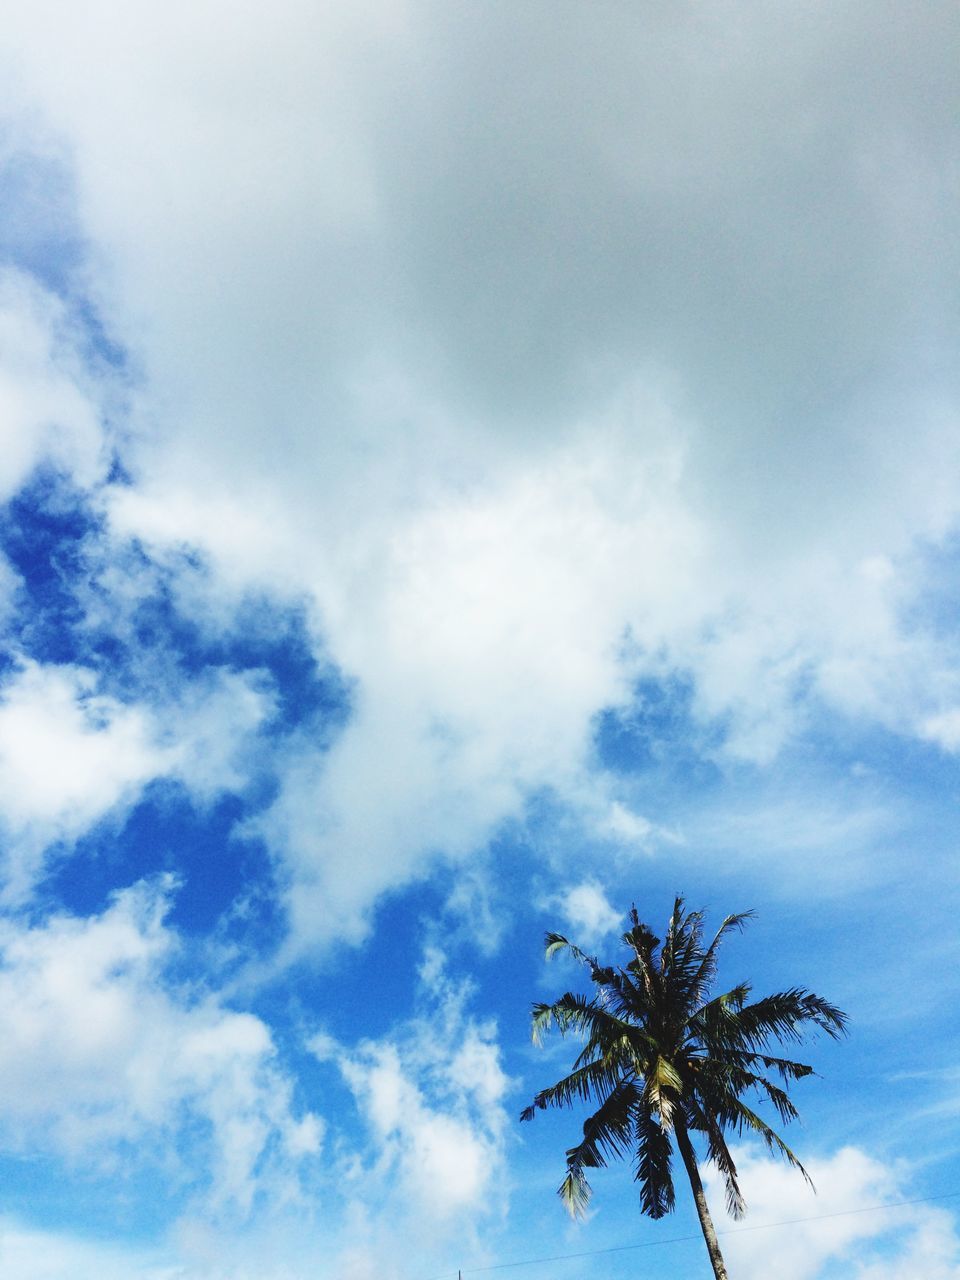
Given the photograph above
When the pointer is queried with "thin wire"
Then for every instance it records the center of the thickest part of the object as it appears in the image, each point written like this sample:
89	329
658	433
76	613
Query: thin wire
729	1231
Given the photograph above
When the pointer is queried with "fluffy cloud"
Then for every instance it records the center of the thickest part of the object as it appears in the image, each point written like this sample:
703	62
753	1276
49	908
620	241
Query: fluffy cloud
70	755
943	729
590	915
67	757
917	1240
431	1096
196	1252
525	409
52	402
100	1052
48	401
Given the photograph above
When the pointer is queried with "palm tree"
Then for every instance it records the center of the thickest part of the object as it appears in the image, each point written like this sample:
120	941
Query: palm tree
663	1060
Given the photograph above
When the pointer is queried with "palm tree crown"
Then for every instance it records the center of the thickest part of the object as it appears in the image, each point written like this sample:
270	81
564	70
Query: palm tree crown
662	1059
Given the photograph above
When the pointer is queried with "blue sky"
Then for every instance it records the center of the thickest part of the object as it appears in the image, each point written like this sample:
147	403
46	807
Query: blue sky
466	470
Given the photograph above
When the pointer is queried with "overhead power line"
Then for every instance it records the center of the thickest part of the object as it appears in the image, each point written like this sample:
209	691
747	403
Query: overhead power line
728	1231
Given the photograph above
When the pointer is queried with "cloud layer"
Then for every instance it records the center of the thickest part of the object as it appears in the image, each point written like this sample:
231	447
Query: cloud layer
620	379
459	466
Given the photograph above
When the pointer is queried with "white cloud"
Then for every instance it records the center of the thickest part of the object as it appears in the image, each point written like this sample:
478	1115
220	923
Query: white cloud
69	755
943	729
523	411
287	1249
621	823
29	1254
99	1052
917	1240
588	912
431	1096
211	727
48	407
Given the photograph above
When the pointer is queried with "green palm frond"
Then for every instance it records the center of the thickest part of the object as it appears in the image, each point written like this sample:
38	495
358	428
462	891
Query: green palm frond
662	1087
785	1016
701	1119
781	1015
743	1118
682	953
588	1083
718	1078
786	1068
554	942
653	1158
575	1192
607	1133
584	1016
642	941
707	969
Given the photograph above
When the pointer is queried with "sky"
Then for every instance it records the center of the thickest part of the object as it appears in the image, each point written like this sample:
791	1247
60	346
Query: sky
468	468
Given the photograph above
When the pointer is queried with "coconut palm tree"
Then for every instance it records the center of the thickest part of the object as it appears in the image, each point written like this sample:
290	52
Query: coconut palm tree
663	1060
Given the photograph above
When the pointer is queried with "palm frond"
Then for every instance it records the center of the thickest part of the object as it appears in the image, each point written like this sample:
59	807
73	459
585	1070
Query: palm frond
707	969
584	1016
554	942
662	1087
717	1078
744	1118
718	1153
586	1084
575	1192
786	1067
608	1132
682	953
653	1158
785	1015
643	942
714	1026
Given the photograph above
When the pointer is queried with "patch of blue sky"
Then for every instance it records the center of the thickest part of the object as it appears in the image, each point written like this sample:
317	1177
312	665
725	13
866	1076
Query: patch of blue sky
166	832
366	988
94	1197
43	534
657	732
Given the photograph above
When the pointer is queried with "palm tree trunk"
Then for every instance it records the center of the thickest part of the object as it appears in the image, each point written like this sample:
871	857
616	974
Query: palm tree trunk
693	1173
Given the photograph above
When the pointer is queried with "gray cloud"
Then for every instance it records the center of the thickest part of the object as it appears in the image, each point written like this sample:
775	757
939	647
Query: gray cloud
501	335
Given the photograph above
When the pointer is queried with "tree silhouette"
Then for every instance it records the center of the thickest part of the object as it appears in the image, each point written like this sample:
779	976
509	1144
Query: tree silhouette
663	1060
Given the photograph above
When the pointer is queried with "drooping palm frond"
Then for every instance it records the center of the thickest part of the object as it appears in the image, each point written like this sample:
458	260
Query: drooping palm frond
652	1165
589	1083
662	1088
554	942
719	1076
584	1016
785	1067
743	1118
718	1153
608	1132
